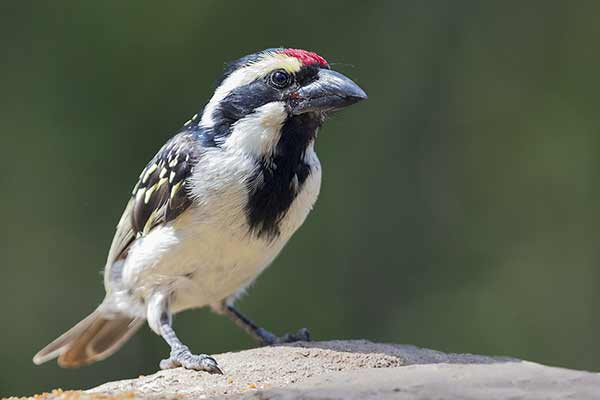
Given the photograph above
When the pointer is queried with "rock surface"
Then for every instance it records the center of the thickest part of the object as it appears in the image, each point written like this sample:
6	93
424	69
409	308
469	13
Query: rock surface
357	370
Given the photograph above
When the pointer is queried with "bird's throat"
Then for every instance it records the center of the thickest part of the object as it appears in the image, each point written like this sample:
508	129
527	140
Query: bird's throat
280	176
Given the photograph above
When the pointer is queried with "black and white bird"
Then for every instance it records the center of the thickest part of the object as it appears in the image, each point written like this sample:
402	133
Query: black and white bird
214	207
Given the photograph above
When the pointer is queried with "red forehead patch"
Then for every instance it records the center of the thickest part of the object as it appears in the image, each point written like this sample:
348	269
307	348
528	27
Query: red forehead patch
305	57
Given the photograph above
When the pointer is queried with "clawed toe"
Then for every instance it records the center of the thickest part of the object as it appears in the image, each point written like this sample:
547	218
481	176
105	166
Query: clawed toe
303	335
267	338
184	358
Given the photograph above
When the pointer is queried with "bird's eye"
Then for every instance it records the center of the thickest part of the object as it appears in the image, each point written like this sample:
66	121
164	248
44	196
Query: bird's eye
280	79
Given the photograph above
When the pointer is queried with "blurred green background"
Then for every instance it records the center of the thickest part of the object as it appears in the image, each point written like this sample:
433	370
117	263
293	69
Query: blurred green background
459	208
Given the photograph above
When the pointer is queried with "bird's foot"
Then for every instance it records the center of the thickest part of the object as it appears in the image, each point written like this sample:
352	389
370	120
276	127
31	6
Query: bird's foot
267	338
182	357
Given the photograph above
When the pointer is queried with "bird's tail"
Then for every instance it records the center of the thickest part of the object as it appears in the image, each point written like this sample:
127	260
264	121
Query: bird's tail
93	339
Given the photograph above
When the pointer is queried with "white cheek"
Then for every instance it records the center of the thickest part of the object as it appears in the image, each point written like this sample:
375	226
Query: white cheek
257	134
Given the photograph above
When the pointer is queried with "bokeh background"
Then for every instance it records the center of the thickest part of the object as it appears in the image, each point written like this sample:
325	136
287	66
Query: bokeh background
459	208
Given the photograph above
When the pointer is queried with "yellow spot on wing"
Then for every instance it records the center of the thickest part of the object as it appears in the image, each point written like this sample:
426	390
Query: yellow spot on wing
151	221
161	182
149	172
175	189
163	172
135	188
149	192
140	194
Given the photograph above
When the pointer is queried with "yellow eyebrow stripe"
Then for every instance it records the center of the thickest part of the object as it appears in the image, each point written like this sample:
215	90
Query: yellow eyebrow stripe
282	61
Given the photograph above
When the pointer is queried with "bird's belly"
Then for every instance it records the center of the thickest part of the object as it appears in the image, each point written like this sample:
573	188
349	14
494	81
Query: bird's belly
217	268
207	264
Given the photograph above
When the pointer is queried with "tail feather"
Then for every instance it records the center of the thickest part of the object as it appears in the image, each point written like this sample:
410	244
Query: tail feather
93	339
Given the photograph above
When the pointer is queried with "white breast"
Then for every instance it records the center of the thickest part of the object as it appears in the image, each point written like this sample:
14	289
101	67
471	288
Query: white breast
208	254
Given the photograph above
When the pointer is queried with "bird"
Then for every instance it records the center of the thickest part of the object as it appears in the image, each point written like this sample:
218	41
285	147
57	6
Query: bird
214	207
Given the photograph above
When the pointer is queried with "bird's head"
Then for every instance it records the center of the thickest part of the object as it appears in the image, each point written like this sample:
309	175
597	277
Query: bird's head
261	93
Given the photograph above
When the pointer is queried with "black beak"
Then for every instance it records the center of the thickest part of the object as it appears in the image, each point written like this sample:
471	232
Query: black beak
331	91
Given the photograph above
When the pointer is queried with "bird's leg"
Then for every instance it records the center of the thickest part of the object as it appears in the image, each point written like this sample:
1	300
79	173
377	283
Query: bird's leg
180	355
261	335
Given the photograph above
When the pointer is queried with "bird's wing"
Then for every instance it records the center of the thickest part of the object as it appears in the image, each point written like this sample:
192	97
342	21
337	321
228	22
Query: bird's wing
159	196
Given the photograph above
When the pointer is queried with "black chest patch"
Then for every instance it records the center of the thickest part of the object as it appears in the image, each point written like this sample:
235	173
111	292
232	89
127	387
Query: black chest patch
279	178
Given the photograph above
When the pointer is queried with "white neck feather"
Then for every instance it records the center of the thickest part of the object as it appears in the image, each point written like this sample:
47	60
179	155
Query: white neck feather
257	134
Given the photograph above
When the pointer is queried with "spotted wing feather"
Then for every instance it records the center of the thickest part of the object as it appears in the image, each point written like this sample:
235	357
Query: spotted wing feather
159	196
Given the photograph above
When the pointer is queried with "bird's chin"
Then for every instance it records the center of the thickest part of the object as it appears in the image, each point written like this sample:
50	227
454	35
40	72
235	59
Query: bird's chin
315	115
310	116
